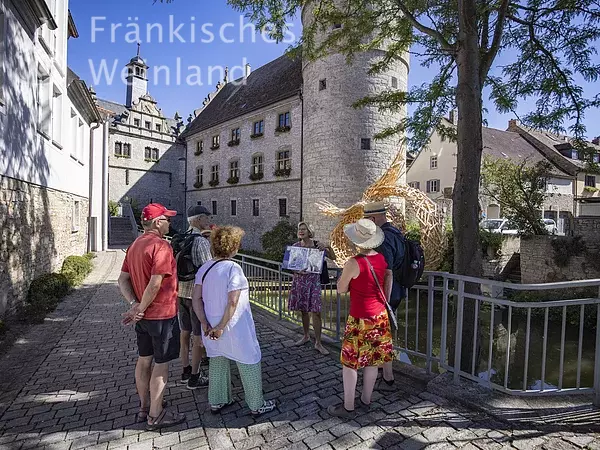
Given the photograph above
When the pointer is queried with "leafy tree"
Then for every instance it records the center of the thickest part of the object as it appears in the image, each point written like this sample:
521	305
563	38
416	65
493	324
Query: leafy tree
519	189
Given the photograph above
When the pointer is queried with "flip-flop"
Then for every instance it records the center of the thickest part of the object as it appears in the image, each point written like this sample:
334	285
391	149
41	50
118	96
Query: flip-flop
164	420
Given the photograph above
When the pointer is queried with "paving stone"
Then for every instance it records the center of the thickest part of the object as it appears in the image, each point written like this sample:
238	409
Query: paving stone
528	443
346	441
439	433
559	444
319	439
581	441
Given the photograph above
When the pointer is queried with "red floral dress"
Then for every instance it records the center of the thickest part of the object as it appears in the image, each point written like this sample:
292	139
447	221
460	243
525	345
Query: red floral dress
368	335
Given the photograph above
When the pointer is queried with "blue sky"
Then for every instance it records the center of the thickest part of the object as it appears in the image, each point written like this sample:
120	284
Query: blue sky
91	50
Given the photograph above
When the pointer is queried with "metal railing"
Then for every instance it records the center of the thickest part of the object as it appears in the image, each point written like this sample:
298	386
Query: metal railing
514	338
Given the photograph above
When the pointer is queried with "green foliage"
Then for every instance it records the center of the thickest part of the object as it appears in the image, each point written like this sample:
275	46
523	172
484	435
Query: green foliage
413	231
490	242
555	314
565	248
448	259
76	268
275	241
544	52
44	295
519	189
113	208
90	255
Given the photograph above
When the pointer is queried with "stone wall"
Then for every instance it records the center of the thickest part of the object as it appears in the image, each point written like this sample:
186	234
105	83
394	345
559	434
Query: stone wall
494	265
538	261
37	231
588	228
268	195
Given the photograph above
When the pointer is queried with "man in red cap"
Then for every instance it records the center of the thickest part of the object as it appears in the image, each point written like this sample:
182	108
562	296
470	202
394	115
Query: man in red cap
148	281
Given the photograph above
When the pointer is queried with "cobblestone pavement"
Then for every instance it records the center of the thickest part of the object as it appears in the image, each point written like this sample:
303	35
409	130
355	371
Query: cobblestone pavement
69	384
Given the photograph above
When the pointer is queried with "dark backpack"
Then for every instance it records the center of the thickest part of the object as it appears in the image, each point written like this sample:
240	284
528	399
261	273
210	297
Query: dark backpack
324	270
183	244
413	264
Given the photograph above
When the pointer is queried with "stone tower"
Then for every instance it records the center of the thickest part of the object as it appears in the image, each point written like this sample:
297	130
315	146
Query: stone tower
137	79
340	156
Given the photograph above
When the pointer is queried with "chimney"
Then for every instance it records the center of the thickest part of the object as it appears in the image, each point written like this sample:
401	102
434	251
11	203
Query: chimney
248	69
596	140
453	117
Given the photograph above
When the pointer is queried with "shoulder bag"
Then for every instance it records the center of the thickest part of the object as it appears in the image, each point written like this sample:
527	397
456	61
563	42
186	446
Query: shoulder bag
390	311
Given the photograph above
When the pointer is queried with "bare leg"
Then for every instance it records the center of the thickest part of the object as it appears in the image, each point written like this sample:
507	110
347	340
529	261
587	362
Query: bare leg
143	371
317	325
197	351
158	381
388	373
184	352
350	377
369	378
305	327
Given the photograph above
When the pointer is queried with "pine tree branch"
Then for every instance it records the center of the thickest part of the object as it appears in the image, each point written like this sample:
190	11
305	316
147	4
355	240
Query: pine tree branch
445	45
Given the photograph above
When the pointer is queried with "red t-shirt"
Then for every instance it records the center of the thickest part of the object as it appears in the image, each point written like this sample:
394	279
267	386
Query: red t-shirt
152	255
365	298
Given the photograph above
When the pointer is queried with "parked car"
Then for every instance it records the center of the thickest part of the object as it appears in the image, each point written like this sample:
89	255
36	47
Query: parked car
550	226
505	226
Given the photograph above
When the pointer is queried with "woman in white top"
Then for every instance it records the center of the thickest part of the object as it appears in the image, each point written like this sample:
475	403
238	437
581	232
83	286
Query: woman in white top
222	305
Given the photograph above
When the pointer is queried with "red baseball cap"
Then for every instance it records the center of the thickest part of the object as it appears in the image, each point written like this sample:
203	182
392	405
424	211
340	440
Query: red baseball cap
154	210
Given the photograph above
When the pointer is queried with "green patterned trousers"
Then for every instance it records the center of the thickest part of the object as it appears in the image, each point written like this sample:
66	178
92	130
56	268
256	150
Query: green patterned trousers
219	382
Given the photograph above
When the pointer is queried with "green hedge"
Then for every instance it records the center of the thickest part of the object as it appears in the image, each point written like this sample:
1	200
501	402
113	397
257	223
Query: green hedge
76	268
44	295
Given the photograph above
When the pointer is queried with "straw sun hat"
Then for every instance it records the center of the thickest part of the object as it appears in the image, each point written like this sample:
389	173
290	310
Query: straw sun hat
364	233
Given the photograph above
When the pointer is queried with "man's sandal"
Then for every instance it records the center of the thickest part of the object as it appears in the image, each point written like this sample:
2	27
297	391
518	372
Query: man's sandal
142	415
164	420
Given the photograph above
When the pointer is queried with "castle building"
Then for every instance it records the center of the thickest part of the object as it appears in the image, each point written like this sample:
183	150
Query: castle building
145	159
270	145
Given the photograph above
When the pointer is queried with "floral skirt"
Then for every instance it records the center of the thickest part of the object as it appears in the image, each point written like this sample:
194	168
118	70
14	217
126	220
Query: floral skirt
367	342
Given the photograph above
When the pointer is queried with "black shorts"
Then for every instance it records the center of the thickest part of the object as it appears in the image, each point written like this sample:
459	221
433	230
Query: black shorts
188	320
158	338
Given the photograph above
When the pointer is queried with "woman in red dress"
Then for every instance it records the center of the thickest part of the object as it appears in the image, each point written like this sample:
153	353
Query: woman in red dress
367	340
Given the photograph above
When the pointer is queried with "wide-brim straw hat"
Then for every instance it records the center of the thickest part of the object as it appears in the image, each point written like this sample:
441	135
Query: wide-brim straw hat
364	233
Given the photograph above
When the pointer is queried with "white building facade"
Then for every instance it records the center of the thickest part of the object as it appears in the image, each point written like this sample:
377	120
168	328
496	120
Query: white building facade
46	121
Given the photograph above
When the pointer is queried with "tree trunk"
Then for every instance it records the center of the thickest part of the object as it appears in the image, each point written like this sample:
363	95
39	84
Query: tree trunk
465	209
